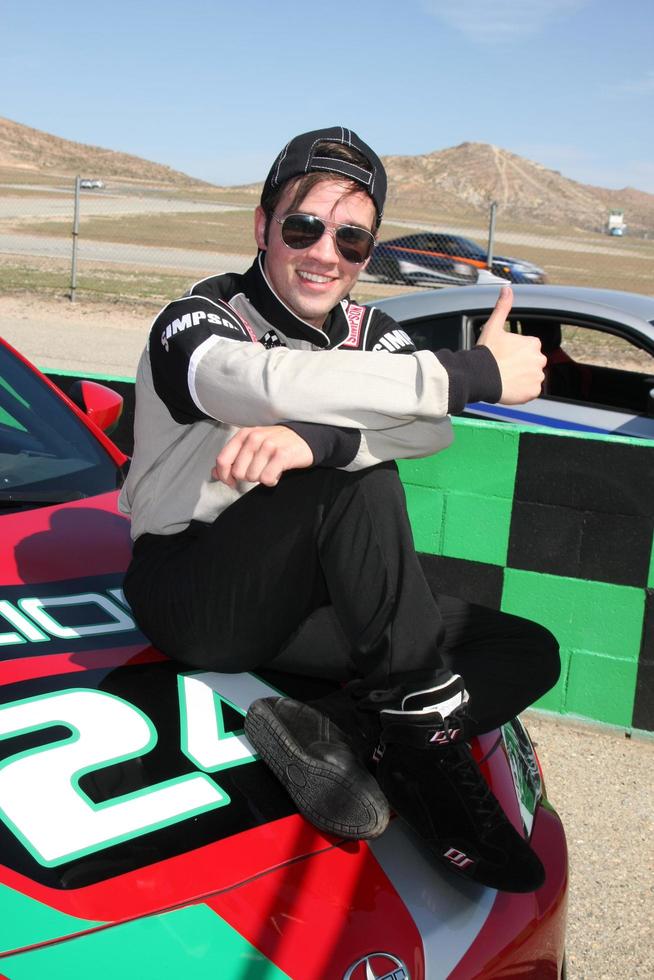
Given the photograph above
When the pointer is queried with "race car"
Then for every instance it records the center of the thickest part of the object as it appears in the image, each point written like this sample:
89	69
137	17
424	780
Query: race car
140	835
431	258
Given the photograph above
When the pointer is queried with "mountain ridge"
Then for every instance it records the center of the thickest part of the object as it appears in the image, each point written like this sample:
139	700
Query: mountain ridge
475	174
464	179
26	149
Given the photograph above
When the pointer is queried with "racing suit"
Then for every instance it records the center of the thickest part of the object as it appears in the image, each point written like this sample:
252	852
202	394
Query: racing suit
226	577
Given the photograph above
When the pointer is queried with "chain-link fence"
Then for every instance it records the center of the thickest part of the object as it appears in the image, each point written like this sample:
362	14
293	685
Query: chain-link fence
93	238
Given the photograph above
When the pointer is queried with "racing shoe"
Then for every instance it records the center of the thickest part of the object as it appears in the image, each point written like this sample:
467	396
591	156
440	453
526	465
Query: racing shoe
318	767
430	778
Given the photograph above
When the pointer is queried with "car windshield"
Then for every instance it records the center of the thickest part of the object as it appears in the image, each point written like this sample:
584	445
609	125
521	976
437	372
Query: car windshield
470	249
47	455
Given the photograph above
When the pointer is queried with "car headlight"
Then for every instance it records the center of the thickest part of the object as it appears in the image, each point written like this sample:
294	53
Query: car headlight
525	770
527	267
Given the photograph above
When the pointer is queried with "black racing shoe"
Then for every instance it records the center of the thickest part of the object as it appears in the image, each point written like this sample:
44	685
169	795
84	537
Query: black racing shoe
317	766
431	780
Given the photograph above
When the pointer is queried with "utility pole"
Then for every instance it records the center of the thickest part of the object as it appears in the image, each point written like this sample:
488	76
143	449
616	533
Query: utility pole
491	235
73	271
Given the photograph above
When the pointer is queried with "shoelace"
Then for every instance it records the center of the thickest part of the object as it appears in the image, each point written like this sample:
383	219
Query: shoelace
477	788
453	726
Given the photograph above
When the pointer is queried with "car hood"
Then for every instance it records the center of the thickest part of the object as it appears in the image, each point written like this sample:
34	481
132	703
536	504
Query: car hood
75	667
136	814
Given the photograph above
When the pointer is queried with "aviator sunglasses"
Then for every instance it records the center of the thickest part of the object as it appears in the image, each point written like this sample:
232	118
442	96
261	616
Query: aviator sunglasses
303	230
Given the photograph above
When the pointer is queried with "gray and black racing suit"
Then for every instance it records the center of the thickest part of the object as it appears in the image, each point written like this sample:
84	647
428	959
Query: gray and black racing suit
231	354
228	577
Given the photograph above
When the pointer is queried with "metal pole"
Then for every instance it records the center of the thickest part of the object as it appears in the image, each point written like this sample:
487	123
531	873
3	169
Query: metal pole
491	234
73	271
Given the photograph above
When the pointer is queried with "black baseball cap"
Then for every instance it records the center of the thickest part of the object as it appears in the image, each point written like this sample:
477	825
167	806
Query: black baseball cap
300	157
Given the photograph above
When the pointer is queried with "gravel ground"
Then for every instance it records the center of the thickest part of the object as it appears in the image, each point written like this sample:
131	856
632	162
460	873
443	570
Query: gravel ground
599	780
99	338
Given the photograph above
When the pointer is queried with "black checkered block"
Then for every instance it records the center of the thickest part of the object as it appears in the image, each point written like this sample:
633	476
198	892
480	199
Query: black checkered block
568	543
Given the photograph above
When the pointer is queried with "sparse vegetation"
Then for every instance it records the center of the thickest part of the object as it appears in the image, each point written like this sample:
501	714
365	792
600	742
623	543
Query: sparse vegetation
226	231
542	216
151	288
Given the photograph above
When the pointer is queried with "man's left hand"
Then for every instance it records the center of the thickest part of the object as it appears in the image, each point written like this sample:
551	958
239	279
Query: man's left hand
260	455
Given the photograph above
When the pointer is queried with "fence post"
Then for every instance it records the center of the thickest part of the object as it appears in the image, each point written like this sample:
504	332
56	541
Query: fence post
491	235
73	271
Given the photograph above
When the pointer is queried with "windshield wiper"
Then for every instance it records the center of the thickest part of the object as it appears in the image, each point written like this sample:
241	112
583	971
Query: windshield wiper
38	498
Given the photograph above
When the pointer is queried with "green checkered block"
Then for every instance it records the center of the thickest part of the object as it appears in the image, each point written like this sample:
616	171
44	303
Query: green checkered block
557	528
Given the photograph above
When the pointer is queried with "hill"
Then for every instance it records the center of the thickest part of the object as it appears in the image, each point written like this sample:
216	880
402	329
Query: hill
469	177
462	181
31	151
458	182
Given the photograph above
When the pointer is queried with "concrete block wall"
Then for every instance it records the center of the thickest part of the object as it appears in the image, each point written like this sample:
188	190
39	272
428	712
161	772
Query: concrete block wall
557	528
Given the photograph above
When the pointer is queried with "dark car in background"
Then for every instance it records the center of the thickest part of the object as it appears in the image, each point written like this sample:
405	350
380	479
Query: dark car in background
430	258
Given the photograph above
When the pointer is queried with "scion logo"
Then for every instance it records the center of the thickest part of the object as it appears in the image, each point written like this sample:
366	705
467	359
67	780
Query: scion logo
88	619
377	966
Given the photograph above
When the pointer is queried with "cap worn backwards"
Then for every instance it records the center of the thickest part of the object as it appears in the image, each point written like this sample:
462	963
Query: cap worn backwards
301	156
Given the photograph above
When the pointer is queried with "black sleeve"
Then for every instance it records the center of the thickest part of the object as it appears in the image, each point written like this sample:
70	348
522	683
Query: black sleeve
474	376
331	445
176	336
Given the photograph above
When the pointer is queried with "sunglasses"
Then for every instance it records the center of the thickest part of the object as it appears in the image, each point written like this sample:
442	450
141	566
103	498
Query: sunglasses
304	230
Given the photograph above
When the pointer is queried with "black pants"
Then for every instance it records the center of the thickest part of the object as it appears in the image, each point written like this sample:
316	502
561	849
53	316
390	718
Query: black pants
329	554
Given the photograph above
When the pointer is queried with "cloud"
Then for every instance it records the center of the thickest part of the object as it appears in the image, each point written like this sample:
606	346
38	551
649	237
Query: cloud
503	20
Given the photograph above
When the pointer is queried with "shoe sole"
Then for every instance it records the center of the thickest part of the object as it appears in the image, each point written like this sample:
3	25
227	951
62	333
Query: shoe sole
319	791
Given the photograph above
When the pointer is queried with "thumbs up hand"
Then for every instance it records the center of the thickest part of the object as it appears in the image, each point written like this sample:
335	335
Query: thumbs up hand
518	357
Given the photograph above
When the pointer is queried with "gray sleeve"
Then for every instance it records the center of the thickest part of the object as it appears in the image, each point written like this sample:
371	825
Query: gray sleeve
245	384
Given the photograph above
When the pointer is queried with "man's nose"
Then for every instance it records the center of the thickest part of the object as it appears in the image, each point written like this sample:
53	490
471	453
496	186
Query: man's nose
325	248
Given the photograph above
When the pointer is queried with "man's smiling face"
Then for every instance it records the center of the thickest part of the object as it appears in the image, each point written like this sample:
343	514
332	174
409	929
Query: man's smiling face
313	280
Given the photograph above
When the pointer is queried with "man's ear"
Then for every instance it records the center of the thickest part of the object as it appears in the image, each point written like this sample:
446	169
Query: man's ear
375	234
260	222
364	265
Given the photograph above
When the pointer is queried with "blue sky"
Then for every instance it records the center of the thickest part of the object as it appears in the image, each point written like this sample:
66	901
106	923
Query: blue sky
216	87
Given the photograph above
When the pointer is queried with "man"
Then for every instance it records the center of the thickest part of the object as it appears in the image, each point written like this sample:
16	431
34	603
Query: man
263	490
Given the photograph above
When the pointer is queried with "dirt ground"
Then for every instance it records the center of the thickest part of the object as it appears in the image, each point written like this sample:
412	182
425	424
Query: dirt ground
96	337
59	310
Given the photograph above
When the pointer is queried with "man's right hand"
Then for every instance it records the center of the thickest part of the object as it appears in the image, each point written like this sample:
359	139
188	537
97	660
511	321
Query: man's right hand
519	358
261	454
